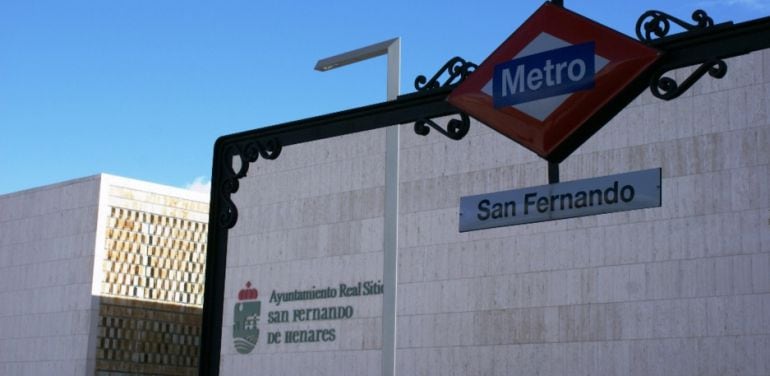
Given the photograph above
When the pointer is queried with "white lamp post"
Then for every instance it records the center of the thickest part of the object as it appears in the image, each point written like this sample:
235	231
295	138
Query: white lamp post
391	48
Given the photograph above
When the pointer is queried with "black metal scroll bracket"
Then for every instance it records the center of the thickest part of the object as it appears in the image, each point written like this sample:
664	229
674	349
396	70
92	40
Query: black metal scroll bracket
654	24
248	152
667	88
456	129
455	70
653	27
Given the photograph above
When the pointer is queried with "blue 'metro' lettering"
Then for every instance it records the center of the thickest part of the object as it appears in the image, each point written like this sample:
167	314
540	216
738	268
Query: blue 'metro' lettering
546	74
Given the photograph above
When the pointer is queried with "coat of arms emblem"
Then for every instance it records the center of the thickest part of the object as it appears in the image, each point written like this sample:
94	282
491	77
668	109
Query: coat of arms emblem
245	320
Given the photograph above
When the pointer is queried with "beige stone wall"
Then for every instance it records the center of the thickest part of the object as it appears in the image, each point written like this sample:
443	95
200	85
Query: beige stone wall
101	275
47	240
678	290
311	219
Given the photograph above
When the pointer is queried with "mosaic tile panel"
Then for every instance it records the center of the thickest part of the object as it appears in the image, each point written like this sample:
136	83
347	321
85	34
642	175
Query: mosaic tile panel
152	291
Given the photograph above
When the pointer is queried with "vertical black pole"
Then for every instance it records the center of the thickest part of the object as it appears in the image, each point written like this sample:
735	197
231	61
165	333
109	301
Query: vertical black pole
214	283
553	168
553	172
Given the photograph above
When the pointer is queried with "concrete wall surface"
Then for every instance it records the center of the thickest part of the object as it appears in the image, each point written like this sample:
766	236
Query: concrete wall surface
47	240
101	275
683	289
312	221
678	290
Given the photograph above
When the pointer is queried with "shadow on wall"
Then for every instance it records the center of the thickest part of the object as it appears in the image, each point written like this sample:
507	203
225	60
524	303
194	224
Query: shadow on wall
149	319
143	337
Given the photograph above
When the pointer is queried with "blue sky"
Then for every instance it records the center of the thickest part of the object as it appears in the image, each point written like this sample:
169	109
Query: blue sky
142	89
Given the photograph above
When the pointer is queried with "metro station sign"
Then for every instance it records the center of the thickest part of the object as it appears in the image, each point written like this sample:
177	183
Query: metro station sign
551	78
577	198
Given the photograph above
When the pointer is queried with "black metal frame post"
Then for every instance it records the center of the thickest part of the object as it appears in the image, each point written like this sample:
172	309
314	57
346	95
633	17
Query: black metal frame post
553	167
704	43
553	173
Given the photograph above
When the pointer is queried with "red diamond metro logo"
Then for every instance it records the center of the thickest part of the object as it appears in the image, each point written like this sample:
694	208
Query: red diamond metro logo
551	78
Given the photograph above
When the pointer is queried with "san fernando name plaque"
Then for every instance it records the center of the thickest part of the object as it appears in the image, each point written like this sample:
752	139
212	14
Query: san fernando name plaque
606	194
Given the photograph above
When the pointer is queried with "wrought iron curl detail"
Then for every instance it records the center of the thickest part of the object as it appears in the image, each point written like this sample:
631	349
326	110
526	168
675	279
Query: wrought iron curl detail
251	151
456	129
667	88
457	69
247	152
228	213
657	23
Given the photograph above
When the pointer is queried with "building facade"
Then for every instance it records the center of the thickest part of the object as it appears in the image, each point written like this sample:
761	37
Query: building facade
682	289
101	275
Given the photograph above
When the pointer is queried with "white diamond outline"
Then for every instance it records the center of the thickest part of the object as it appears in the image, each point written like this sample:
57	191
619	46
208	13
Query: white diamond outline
540	109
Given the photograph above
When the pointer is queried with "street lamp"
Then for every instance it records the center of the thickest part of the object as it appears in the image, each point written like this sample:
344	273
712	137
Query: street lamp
391	48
